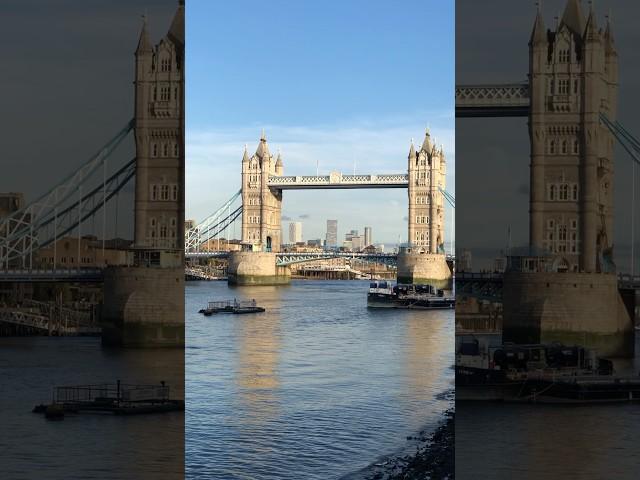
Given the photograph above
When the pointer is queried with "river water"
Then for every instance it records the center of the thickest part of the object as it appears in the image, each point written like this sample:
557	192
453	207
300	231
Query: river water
505	441
85	446
316	387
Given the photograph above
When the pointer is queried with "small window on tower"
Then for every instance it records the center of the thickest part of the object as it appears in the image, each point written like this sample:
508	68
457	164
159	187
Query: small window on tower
564	146
552	147
154	150
576	146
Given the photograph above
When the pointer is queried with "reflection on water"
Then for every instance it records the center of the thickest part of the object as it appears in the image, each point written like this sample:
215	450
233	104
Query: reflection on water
85	446
316	387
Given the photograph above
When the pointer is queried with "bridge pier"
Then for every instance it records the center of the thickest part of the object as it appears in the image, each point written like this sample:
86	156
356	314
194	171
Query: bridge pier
584	309
256	268
419	267
142	306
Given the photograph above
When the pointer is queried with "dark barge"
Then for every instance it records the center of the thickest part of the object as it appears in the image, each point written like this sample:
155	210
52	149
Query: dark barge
116	399
540	373
231	306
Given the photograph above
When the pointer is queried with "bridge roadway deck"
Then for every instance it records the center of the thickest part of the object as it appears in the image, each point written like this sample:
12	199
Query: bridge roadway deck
489	285
86	275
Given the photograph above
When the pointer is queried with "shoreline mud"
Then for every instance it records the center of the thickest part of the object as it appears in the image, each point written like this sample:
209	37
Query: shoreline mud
430	454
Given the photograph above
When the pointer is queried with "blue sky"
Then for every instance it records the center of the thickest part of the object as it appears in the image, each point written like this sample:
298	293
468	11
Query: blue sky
334	84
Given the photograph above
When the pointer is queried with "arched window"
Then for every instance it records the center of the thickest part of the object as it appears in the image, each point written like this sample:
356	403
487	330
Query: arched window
552	147
154	149
176	150
165	150
564	146
552	192
574	192
575	146
564	192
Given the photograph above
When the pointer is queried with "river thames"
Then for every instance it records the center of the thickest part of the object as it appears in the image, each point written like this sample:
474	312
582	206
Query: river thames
317	387
86	446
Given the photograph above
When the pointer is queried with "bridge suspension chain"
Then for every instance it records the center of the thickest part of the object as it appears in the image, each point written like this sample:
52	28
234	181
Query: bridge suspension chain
448	197
21	232
213	225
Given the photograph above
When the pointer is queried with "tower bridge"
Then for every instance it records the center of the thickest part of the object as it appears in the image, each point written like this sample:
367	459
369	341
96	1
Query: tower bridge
263	183
567	288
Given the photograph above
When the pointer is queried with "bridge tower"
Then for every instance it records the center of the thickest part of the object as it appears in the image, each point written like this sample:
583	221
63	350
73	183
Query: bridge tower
261	205
423	261
159	134
573	76
572	297
427	170
143	306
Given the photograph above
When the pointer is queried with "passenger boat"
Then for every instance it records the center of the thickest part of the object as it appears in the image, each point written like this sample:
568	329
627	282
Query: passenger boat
422	297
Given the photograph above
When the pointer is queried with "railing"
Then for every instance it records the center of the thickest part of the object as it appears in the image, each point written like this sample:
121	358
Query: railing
336	179
118	392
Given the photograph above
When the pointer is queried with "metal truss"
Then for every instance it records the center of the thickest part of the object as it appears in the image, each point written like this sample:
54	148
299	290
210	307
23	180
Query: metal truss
213	225
499	100
338	180
25	230
292	258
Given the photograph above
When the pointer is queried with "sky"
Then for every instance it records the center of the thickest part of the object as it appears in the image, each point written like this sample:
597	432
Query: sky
337	86
68	89
493	154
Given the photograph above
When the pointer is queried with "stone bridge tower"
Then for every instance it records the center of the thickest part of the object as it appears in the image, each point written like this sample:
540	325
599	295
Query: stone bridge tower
573	77
159	134
261	205
427	170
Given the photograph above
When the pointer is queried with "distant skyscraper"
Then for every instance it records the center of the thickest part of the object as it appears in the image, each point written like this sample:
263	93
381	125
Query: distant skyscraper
367	236
331	240
295	232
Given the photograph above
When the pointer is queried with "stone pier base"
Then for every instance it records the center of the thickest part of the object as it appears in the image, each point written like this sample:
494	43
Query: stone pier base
570	308
143	307
424	268
256	268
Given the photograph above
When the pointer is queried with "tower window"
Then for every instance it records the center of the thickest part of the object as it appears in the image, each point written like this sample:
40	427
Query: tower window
165	150
154	150
563	87
564	146
552	147
175	150
574	192
576	147
164	192
552	196
154	192
174	192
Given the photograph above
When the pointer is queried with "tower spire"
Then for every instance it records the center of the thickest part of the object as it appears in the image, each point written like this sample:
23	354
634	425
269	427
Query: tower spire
538	34
144	45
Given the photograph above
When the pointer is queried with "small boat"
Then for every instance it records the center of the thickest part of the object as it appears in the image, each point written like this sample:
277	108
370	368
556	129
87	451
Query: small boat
231	306
419	297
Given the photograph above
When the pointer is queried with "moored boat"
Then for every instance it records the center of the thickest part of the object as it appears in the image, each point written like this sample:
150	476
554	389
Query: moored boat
422	297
